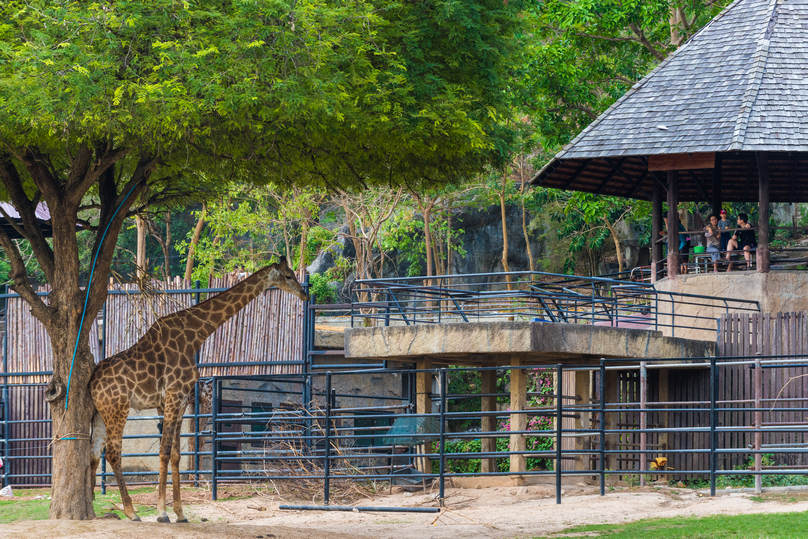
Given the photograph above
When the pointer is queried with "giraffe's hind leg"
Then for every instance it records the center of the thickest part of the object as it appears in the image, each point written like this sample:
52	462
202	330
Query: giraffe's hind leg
171	425
113	445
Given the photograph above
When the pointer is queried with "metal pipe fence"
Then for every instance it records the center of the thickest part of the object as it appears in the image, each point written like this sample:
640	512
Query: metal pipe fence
537	296
619	421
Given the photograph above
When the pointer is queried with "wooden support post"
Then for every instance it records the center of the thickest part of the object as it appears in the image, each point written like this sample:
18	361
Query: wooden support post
643	419
673	224
664	420
584	419
489	423
656	228
758	421
423	405
717	200
518	421
763	253
612	397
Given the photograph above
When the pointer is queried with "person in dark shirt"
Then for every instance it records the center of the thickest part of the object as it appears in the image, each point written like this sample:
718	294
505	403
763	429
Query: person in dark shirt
742	240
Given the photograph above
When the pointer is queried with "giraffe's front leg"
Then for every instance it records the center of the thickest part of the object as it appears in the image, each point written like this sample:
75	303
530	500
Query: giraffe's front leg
171	425
175	474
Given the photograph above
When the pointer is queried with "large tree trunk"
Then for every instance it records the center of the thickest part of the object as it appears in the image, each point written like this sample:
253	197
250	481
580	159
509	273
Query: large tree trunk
73	479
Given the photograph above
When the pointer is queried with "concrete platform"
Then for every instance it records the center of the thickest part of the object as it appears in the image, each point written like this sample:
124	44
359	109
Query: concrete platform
496	343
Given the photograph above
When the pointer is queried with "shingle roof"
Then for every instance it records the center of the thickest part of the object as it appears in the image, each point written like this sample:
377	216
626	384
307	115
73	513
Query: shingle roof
738	85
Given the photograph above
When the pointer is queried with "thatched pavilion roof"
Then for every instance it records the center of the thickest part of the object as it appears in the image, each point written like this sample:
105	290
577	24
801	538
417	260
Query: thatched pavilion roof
738	86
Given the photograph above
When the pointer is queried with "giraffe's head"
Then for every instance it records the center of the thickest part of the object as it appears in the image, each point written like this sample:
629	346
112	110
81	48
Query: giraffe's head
281	276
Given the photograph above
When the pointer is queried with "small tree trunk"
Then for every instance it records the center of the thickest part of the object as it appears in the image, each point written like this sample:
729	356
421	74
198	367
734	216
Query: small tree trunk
166	245
141	262
448	240
200	224
301	264
524	215
427	213
505	265
620	259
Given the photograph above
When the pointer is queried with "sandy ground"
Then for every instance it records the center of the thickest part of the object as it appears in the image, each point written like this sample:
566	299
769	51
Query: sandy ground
495	512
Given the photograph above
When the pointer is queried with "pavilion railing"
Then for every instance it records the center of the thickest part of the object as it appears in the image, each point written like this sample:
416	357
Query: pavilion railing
537	297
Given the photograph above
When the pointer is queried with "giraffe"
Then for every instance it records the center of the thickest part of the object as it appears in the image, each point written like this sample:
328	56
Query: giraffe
159	371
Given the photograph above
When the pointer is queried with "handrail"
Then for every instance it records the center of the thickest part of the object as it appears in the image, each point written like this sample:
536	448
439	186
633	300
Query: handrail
537	296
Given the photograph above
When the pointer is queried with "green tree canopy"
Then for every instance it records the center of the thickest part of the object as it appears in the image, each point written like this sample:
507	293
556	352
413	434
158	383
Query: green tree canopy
112	106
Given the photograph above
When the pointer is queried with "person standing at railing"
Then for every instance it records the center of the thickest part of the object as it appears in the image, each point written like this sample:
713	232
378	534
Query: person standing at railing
742	239
713	237
724	224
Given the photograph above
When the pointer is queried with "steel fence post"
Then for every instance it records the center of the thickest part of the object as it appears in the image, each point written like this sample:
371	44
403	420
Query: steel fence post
602	384
559	429
327	450
713	421
442	448
214	410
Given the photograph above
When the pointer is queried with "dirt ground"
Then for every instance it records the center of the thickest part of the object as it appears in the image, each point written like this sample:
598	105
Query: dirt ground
495	512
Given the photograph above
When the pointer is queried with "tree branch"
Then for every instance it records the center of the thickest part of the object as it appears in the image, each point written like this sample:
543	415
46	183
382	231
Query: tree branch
644	40
21	285
27	209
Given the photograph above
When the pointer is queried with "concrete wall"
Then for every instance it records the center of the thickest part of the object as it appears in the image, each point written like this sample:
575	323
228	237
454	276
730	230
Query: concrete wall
776	292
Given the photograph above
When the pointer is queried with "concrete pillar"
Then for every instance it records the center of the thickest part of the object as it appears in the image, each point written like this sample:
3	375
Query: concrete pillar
423	405
489	423
582	385
518	421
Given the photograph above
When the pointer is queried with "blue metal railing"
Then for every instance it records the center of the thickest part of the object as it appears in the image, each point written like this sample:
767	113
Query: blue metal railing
537	296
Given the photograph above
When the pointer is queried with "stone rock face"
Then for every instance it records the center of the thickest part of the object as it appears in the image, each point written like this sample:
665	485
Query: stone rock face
482	241
326	259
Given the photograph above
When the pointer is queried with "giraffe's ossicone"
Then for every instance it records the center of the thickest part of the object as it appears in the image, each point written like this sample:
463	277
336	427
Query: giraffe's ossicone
159	372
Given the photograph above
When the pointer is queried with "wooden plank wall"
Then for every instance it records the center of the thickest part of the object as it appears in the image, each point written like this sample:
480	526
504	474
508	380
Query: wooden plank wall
765	334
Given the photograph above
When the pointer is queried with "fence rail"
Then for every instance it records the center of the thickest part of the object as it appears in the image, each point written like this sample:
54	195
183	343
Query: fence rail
614	421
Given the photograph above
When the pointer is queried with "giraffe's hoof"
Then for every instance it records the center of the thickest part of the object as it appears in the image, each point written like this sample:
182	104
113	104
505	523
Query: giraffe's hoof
182	521
164	520
136	519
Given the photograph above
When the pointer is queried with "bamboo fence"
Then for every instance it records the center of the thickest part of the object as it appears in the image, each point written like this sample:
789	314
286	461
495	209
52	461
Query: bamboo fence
269	329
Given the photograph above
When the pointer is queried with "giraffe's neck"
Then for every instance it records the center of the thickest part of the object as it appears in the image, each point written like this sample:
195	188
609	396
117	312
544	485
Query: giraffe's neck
209	315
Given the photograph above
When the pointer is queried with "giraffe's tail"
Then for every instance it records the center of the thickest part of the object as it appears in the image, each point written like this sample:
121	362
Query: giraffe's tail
99	441
99	438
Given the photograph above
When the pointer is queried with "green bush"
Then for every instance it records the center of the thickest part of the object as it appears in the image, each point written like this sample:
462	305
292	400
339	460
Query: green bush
318	285
456	465
748	480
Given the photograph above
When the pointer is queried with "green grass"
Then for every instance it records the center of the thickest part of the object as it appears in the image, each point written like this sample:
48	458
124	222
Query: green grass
16	510
755	526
